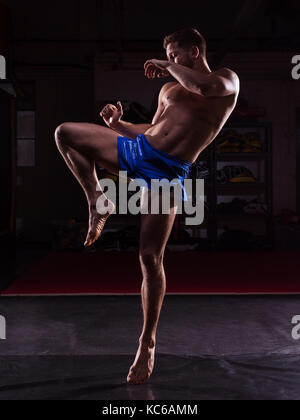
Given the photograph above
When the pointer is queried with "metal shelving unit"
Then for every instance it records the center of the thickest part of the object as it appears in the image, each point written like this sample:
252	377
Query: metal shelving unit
262	189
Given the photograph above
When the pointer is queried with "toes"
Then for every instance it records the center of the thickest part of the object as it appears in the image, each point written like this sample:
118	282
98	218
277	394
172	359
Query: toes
132	378
88	243
90	239
96	227
137	380
131	381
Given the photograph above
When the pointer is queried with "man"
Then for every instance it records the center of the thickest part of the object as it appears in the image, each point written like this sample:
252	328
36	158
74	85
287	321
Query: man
191	112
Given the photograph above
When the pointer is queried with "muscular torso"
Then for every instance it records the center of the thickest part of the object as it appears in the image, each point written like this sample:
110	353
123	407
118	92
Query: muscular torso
189	122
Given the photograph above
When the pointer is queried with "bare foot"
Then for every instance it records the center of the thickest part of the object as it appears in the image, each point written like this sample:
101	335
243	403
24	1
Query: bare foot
142	367
97	221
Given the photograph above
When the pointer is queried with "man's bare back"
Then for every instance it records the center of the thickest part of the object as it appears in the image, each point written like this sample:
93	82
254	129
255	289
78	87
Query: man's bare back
189	122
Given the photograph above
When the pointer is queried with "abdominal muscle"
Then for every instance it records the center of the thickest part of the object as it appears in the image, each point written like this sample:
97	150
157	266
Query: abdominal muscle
183	137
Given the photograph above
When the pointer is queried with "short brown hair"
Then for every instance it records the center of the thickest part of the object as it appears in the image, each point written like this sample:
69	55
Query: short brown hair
187	38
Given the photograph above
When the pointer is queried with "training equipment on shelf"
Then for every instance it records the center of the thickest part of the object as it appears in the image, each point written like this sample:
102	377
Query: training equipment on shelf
233	141
235	174
255	207
230	142
241	178
252	143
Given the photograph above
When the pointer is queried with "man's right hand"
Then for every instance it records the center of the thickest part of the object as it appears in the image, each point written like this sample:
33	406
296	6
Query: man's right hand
112	114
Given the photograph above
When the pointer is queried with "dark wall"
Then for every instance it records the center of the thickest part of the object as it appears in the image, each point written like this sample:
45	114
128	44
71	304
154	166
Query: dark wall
49	191
54	45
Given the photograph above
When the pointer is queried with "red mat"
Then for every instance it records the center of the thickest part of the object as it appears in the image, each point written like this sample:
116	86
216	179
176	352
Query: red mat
187	273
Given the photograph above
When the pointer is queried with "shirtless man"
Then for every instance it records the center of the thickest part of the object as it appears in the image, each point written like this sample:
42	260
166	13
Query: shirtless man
191	112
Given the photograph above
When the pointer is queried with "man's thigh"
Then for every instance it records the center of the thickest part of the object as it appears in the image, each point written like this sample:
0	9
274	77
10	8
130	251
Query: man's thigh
155	230
94	141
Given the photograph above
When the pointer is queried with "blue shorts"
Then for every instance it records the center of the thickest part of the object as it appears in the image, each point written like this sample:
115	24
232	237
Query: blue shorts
143	161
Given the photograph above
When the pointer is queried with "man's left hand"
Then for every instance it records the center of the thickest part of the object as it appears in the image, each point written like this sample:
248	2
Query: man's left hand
156	66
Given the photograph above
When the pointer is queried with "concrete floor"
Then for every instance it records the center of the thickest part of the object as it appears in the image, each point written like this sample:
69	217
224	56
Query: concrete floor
208	348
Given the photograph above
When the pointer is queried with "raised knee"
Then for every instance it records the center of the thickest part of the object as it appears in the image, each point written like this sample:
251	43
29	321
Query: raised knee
151	259
61	132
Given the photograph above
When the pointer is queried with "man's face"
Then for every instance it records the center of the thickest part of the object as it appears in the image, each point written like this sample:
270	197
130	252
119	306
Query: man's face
179	55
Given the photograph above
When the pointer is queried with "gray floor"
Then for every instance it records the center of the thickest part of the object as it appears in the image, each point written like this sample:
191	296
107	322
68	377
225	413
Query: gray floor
208	347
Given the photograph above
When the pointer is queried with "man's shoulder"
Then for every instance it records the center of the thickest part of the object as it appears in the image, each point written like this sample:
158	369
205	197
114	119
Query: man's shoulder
169	84
226	72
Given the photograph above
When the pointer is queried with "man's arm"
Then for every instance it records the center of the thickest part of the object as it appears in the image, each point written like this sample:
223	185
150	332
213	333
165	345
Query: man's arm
223	82
133	130
126	129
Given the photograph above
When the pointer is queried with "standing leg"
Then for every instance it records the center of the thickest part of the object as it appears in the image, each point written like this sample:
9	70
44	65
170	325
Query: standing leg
81	145
154	235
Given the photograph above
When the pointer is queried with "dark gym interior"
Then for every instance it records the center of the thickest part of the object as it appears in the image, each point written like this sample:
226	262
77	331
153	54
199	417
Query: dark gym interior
227	327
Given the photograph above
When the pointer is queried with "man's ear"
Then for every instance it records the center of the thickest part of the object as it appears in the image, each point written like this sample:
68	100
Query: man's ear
195	51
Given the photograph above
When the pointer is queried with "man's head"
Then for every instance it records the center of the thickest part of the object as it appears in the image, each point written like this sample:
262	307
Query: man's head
186	47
